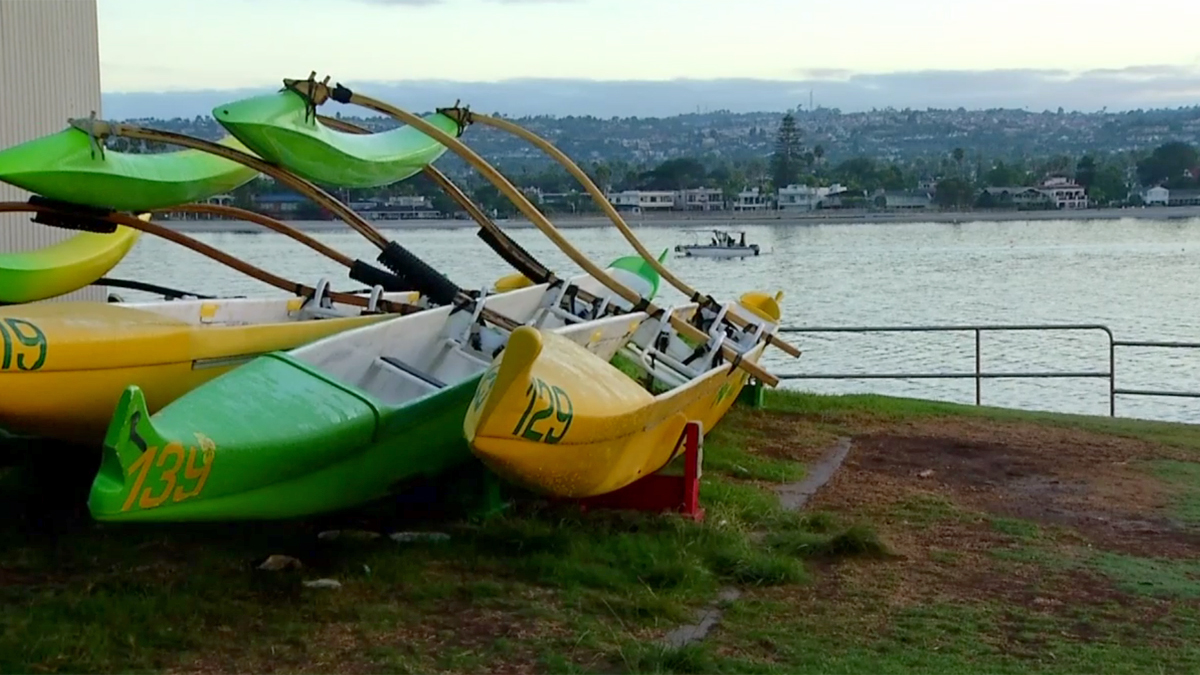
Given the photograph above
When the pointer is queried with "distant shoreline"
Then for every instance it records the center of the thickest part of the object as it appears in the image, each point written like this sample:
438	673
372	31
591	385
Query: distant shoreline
725	219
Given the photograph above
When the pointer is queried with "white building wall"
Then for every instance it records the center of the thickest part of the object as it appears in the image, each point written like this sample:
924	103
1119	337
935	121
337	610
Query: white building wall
49	72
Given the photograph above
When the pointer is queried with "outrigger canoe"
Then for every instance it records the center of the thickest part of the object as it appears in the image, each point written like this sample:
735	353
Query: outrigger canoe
280	128
332	425
550	417
51	271
64	365
67	166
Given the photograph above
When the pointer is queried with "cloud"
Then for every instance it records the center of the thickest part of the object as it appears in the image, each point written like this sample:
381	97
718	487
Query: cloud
1036	89
426	3
824	73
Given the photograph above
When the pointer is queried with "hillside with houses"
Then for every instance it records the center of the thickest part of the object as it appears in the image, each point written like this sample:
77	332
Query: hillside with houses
888	160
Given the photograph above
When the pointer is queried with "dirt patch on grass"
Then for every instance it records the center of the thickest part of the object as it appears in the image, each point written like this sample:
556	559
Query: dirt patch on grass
1094	484
987	513
783	435
976	512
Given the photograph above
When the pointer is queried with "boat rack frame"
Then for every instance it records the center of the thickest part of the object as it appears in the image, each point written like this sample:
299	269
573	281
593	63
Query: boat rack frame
662	490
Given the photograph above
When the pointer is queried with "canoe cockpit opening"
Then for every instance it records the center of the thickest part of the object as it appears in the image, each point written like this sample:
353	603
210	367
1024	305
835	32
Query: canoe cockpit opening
394	381
413	372
456	361
671	362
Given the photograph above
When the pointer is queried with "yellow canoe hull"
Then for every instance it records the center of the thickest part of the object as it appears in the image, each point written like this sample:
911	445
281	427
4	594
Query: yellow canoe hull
551	417
63	366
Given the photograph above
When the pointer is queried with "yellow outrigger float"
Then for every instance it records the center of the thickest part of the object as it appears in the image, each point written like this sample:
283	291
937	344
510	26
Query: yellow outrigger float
552	417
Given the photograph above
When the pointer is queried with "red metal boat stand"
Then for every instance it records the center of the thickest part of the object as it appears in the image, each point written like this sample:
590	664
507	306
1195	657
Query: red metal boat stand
661	491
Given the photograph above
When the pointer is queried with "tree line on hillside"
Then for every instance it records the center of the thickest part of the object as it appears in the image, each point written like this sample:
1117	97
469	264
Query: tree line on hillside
960	176
886	133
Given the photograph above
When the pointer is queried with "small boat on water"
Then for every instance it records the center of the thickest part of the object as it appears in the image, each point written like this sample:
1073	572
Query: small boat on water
331	425
550	417
721	245
64	365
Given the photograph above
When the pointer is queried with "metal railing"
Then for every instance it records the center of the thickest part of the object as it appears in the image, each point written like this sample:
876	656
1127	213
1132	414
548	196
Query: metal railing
979	375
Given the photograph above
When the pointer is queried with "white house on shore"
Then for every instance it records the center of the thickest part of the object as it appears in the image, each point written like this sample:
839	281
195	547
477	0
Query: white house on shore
805	198
752	200
700	199
1157	196
639	201
49	72
1065	193
695	199
1161	196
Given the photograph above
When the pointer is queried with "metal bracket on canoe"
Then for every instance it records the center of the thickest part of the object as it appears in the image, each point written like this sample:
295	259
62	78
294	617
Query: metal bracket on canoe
598	309
654	356
96	130
718	322
663	338
660	328
759	329
319	304
321	294
373	300
472	330
717	355
554	310
480	301
562	293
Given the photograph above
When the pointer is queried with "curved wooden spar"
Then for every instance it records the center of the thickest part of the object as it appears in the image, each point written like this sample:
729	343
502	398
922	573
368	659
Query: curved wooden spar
101	129
498	240
394	256
605	206
267	222
342	125
319	92
215	254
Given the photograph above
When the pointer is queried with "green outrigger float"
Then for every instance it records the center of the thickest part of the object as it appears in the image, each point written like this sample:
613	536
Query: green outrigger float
70	166
334	424
282	130
74	167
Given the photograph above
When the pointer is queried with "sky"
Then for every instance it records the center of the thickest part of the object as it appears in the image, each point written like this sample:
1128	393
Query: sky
706	53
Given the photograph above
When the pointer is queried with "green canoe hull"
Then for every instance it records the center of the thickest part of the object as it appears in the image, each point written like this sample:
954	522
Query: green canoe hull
66	167
335	447
278	438
279	129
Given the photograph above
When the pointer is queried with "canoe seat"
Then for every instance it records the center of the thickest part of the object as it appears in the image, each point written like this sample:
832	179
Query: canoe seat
409	370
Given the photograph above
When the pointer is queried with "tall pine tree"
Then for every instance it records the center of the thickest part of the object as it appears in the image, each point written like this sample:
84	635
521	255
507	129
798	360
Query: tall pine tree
788	156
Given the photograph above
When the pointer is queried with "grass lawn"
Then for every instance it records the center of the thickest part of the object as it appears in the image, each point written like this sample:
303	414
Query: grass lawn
953	539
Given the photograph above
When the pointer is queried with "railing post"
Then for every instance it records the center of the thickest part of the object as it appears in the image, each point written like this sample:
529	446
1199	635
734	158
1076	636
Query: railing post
978	370
1112	375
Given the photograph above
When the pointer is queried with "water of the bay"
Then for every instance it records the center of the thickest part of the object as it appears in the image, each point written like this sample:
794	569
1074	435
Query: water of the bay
1138	277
